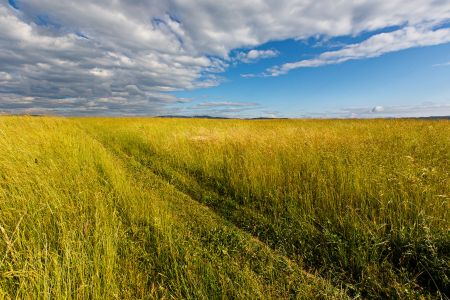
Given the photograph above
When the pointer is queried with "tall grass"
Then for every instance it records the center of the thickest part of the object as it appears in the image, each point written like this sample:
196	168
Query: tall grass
364	203
81	217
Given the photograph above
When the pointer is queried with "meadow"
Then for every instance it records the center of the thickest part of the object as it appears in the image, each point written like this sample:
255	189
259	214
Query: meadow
131	208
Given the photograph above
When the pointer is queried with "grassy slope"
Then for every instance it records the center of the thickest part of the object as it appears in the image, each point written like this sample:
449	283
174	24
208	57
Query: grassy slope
82	218
364	203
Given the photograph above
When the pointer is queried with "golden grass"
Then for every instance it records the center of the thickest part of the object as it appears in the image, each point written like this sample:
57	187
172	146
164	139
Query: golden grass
151	208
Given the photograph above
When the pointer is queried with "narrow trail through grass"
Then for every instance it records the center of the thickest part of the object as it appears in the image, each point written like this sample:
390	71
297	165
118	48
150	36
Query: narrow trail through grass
98	208
81	221
373	231
222	243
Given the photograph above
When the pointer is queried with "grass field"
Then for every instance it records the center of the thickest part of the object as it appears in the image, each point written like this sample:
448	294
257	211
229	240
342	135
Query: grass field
123	208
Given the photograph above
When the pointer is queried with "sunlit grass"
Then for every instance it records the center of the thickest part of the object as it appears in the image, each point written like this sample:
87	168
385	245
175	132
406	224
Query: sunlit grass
150	208
79	222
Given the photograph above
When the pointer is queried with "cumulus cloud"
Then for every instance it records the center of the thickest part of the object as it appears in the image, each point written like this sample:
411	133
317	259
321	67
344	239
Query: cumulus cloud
255	55
123	57
220	26
101	72
54	65
5	76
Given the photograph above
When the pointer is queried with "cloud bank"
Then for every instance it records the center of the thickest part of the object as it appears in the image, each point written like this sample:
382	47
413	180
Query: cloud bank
125	57
426	109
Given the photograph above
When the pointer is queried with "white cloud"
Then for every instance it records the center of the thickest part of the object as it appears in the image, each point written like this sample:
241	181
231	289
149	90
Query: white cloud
133	52
427	109
377	109
5	76
374	46
226	104
442	64
255	55
217	27
101	72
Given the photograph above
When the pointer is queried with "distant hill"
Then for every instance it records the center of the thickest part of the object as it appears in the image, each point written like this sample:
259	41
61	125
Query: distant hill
212	117
191	117
227	118
268	118
435	117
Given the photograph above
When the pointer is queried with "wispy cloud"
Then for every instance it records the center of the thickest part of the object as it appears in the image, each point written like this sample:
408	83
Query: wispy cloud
427	109
374	46
446	64
225	104
228	109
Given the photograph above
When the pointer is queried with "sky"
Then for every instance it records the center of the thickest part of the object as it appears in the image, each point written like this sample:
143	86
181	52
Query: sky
235	58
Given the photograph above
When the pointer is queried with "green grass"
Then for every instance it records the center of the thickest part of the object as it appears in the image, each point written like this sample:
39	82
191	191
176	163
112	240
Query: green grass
207	209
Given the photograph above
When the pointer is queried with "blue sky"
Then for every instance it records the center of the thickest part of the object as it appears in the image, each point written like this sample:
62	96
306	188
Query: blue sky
410	78
246	58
